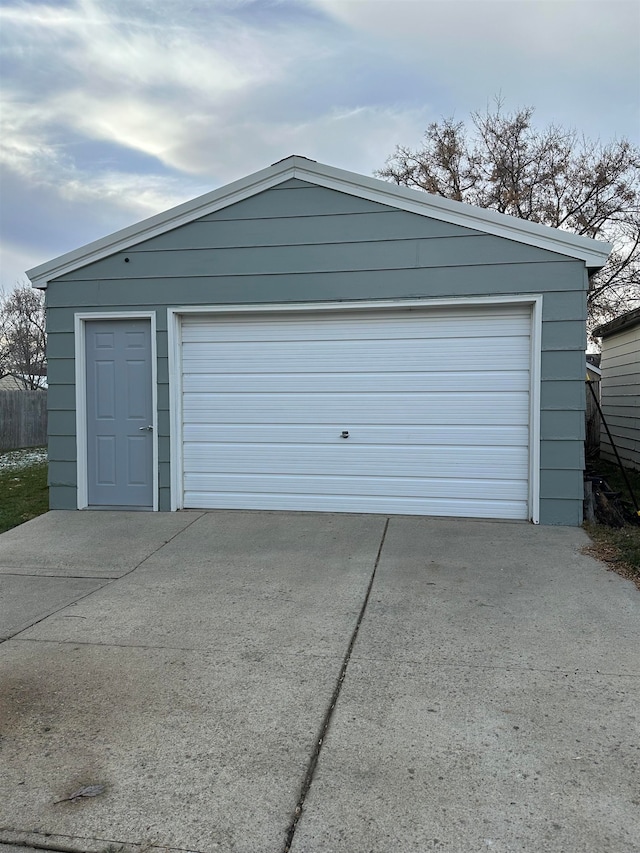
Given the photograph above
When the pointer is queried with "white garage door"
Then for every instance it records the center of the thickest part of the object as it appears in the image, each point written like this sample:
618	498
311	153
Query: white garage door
413	411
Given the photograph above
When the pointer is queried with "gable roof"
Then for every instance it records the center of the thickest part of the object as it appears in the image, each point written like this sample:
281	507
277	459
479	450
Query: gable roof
593	252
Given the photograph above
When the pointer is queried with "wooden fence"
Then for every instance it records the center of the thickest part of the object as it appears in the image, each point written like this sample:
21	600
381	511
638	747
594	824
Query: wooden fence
592	440
23	419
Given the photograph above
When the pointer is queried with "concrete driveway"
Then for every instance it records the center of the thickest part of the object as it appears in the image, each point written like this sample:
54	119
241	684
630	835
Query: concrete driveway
255	682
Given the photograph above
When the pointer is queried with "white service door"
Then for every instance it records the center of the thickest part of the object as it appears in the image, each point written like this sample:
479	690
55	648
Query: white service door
421	412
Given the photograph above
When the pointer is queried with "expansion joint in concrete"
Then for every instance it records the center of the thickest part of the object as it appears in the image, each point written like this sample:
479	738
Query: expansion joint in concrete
326	722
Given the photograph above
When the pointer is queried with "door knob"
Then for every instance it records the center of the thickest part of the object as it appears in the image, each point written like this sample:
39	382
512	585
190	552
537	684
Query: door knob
147	428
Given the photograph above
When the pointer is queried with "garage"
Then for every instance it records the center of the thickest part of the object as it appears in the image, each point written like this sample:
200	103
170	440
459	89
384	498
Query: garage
307	338
423	411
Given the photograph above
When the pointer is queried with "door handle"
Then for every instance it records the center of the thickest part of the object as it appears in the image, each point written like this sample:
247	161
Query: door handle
147	428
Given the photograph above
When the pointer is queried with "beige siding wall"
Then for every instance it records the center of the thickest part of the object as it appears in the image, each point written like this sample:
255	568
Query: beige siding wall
621	395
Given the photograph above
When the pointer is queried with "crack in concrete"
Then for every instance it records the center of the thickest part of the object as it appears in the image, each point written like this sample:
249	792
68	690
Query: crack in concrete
326	722
36	841
109	581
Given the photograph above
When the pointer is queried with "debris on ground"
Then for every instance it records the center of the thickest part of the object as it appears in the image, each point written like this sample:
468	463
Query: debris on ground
604	505
87	791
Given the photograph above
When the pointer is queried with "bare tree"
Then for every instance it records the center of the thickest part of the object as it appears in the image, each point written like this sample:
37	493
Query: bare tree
23	337
553	176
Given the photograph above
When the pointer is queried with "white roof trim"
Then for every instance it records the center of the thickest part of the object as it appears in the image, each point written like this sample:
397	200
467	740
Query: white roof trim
593	252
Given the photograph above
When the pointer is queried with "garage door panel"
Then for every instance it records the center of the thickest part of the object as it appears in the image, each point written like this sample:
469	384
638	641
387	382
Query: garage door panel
354	356
326	485
436	404
475	381
461	508
465	436
324	328
359	460
349	409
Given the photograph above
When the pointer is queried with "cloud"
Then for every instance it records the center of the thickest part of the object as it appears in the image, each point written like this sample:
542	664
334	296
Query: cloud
358	139
211	95
140	44
576	61
25	152
15	260
132	75
117	109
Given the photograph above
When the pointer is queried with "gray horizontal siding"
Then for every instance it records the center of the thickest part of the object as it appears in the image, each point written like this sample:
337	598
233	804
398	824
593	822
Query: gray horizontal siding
559	484
61	371
62	473
62	423
452	281
561	511
562	395
298	260
301	231
310	200
60	344
564	335
62	497
562	364
309	244
561	455
561	425
557	307
62	448
61	397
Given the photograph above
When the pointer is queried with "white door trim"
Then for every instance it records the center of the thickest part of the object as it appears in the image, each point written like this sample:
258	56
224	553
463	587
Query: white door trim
174	330
174	344
80	320
534	410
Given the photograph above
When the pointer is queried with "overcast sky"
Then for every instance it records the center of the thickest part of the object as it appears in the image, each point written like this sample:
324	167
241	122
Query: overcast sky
113	110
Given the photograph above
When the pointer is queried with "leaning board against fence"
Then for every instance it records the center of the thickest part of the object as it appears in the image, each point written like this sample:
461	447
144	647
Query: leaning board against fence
23	419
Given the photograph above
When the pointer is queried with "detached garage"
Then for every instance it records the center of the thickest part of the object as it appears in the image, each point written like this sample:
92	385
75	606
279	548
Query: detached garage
311	339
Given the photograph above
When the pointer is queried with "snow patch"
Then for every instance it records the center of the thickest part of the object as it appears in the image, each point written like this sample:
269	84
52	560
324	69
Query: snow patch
14	460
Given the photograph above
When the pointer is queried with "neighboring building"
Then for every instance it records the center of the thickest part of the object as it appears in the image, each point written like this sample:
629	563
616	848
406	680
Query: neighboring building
594	374
593	366
311	339
13	383
10	383
620	387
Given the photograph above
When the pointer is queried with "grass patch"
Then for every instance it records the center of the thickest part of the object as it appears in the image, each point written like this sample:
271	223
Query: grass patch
620	548
611	473
24	494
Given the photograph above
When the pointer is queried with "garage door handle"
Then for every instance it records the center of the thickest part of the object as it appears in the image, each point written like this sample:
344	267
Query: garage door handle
344	433
147	428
